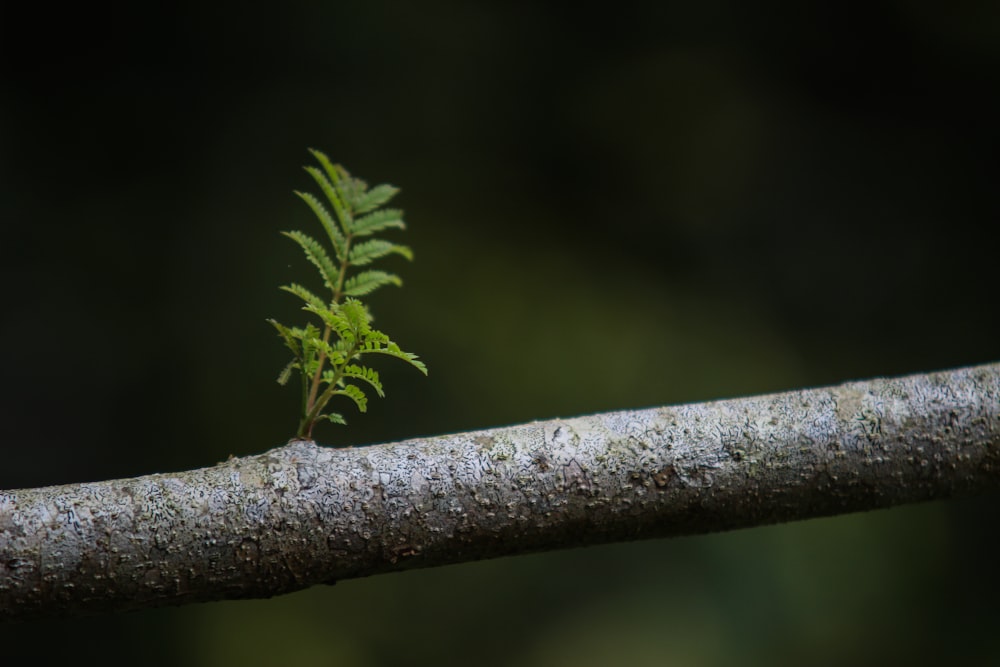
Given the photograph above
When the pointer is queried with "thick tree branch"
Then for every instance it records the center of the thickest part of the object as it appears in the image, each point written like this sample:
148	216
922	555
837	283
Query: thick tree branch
301	514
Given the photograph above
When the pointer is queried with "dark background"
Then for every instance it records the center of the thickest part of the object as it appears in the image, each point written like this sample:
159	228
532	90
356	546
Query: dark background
617	207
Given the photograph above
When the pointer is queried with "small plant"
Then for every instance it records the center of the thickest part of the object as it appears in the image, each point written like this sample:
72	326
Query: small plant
328	367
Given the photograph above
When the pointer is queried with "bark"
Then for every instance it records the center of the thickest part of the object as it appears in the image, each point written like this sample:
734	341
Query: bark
302	514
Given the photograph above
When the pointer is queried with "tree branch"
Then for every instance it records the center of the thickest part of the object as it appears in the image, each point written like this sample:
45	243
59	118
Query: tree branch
301	514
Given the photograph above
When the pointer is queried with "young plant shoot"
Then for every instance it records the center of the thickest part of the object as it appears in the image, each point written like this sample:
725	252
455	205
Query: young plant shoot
327	354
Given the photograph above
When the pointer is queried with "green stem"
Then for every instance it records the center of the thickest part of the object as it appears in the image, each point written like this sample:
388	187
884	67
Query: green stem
310	419
310	409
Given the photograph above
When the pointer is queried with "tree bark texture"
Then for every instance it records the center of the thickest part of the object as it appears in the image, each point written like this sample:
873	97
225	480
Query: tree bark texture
303	514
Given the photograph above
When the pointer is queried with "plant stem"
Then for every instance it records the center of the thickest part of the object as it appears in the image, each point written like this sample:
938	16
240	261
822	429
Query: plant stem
324	398
310	409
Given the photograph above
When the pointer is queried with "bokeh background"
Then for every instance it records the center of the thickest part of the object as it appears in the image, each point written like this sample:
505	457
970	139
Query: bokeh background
612	206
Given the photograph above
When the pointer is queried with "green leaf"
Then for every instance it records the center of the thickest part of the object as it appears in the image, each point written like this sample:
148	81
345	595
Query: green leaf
290	337
328	378
343	351
365	253
367	282
324	347
286	372
331	318
374	198
308	336
340	207
336	236
304	294
356	316
375	336
392	350
310	332
335	172
354	393
346	328
317	255
349	190
389	218
335	418
365	374
352	190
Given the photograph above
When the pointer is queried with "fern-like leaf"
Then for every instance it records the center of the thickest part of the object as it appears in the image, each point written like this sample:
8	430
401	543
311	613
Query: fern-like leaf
347	330
290	338
286	372
334	172
374	198
308	336
387	218
337	185
317	255
367	282
374	336
354	393
392	350
332	230
334	196
304	294
365	374
335	418
367	252
330	318
349	189
344	350
356	316
324	347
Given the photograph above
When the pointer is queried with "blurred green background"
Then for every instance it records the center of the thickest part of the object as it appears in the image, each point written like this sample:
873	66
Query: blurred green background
612	206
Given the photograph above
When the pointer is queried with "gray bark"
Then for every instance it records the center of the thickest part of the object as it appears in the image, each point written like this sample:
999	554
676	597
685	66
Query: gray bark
302	514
